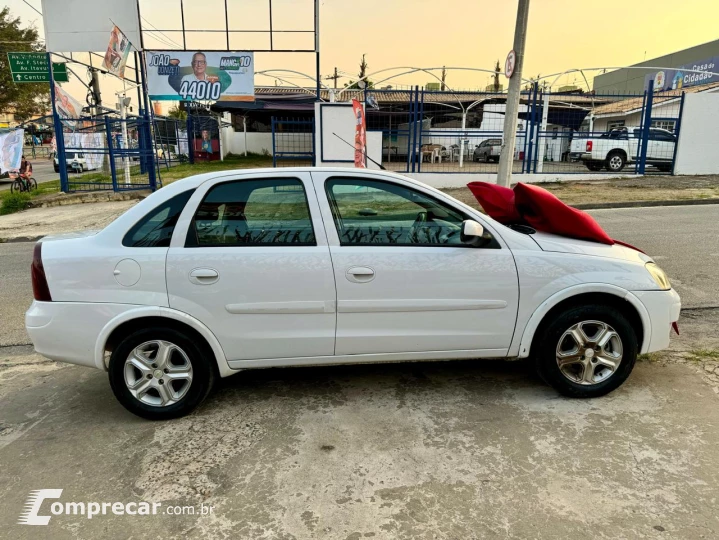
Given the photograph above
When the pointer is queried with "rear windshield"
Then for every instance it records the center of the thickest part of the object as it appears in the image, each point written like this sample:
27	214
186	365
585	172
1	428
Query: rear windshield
156	228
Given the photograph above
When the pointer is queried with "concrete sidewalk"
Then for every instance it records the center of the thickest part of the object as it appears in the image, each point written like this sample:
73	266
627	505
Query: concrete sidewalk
438	450
37	222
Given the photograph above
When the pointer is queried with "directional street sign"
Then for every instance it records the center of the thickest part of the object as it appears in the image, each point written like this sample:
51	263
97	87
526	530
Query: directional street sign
32	68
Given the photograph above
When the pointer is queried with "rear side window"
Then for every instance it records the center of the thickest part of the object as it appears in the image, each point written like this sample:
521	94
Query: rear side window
253	212
156	228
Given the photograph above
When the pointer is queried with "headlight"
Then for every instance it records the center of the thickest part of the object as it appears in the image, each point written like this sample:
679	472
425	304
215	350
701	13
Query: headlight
659	276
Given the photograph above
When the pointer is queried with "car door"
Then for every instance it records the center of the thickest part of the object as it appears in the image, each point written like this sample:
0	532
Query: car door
661	146
249	259
405	282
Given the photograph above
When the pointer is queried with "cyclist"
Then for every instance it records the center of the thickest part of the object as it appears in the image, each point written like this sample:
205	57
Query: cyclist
25	173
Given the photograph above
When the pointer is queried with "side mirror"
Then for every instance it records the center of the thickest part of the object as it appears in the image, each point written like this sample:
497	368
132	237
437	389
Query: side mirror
471	233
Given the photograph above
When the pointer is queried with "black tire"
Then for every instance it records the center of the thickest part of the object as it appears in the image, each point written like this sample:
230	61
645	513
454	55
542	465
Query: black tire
547	341
204	374
16	186
487	159
616	161
31	184
57	168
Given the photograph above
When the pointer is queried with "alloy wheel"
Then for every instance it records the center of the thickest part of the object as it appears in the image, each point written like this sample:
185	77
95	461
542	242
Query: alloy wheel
589	352
158	373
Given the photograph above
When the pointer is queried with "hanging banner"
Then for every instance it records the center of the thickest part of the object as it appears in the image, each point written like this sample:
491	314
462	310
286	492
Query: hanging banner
68	109
199	76
360	135
11	150
117	52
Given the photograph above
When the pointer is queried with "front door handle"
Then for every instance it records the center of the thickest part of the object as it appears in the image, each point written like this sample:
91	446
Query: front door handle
204	276
360	274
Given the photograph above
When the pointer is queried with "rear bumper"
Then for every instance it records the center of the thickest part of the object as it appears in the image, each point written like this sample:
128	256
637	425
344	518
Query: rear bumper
663	308
580	156
68	331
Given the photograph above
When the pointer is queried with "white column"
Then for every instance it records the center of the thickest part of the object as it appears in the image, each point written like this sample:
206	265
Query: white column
125	146
461	142
542	141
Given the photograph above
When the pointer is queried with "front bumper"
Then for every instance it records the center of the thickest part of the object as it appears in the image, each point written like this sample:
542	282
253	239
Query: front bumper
663	308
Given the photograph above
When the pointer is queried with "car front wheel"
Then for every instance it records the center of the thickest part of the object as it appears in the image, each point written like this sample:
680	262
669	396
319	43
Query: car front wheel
586	351
158	373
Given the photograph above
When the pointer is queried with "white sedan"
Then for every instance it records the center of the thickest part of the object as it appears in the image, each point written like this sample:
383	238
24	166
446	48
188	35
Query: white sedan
227	271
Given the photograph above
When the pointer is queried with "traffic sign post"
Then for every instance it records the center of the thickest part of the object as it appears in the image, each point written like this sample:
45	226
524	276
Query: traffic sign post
34	68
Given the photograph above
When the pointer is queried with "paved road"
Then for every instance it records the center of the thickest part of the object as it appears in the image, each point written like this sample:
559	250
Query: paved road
407	451
684	240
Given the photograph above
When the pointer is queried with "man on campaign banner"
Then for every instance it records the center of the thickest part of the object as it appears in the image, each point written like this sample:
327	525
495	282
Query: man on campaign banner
201	76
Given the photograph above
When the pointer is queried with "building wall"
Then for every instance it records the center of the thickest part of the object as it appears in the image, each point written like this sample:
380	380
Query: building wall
631	81
698	136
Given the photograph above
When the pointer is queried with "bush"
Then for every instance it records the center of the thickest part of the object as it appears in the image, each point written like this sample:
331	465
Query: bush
14	202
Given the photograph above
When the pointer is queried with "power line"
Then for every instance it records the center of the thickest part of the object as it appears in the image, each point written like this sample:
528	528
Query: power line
161	32
33	7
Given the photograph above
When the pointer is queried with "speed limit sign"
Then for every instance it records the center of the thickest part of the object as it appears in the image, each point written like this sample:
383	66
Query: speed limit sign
509	64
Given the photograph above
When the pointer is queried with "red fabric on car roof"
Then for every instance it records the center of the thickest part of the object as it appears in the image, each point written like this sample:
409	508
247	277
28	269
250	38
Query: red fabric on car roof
497	201
538	208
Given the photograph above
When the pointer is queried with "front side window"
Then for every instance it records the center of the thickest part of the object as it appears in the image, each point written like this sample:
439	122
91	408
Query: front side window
373	212
156	228
253	212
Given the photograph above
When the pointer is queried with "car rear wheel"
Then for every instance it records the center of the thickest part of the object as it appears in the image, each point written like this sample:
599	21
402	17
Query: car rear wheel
616	161
157	373
586	351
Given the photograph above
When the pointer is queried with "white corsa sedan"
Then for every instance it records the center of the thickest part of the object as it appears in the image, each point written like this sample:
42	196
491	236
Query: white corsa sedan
227	271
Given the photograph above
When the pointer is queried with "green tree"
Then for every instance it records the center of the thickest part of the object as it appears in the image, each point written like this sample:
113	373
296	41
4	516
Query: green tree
353	85
177	112
24	100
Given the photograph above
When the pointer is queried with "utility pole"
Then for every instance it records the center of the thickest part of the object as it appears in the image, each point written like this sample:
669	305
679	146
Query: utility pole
444	79
511	114
333	77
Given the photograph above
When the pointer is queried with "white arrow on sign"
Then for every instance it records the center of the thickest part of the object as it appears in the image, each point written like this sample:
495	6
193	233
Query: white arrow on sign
19	76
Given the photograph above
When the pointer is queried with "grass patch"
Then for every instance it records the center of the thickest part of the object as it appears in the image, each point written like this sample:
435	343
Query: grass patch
700	355
649	357
231	161
14	202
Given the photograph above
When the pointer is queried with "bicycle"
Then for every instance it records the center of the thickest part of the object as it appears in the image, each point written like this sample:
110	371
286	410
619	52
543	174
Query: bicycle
22	182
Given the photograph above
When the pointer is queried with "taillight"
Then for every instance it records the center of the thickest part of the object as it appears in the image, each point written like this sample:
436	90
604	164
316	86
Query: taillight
589	146
40	289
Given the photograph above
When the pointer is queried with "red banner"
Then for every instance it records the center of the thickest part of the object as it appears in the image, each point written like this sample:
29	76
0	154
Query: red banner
360	135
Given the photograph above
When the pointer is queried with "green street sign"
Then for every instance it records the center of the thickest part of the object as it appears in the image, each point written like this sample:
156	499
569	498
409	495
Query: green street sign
32	68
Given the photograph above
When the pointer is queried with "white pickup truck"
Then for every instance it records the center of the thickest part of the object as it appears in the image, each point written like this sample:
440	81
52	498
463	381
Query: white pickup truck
614	149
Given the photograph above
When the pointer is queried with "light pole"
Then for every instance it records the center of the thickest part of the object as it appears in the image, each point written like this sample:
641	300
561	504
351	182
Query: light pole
511	114
122	104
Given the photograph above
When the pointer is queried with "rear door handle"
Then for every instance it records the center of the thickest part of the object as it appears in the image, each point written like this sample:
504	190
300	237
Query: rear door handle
360	274
204	276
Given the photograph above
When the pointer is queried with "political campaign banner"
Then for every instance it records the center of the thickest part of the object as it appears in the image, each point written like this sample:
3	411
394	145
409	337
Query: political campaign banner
68	109
360	135
117	52
11	150
200	76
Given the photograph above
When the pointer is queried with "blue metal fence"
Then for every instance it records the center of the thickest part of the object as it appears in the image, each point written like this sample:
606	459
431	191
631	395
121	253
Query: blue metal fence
557	132
293	142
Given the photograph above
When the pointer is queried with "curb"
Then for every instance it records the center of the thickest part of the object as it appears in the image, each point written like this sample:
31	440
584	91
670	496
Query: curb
87	197
20	239
641	204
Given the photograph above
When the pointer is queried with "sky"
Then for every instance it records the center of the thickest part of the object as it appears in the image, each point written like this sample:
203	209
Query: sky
562	34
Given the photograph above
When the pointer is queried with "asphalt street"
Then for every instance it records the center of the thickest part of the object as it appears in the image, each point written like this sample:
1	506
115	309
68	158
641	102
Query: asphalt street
683	239
435	450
